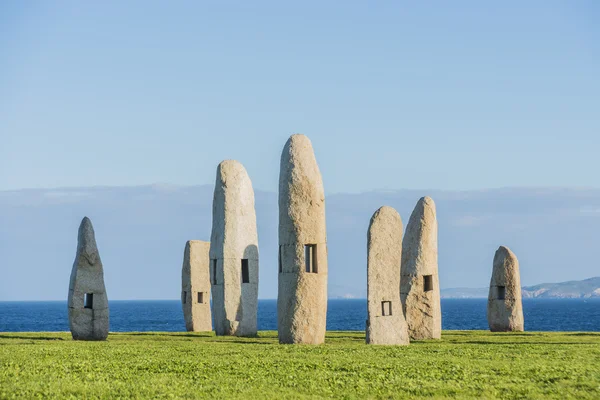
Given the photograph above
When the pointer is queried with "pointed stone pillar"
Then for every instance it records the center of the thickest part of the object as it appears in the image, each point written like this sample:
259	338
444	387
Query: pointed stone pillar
419	283
385	323
505	307
234	252
195	286
302	295
87	301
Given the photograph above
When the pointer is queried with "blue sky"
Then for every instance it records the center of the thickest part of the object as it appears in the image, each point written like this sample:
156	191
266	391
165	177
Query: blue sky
451	95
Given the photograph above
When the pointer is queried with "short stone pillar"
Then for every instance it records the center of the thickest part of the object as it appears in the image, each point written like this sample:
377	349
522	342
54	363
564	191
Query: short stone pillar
419	281
234	252
87	301
195	286
505	308
302	295
385	323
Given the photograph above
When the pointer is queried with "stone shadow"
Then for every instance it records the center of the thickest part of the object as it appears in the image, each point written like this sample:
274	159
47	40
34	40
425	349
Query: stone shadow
30	337
519	343
242	342
592	334
181	335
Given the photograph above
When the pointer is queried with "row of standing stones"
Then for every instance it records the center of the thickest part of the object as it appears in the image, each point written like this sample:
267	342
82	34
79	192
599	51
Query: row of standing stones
403	295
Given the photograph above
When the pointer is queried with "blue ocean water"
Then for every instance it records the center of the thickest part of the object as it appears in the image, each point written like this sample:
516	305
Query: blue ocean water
342	315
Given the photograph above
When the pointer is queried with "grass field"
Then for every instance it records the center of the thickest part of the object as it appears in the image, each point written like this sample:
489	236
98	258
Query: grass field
463	364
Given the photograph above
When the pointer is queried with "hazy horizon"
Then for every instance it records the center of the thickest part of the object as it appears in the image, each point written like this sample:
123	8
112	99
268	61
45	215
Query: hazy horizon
141	232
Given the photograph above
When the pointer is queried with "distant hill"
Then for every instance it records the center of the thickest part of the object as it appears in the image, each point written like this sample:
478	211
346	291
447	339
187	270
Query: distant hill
572	289
565	290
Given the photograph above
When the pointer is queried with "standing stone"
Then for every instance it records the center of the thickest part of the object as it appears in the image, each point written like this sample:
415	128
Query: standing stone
195	286
419	281
385	323
87	302
234	252
302	295
505	308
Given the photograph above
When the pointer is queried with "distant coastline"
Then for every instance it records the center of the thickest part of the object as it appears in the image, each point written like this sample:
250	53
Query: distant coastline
587	288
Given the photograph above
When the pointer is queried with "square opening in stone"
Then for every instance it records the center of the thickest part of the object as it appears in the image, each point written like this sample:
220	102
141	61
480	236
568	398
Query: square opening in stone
214	272
428	283
183	297
245	271
200	297
310	258
386	308
88	300
501	292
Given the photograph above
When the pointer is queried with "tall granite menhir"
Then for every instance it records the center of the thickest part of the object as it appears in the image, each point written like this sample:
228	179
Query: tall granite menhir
505	308
234	252
385	323
87	301
302	295
195	286
419	281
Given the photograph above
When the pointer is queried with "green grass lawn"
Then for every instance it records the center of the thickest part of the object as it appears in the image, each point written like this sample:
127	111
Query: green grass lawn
464	364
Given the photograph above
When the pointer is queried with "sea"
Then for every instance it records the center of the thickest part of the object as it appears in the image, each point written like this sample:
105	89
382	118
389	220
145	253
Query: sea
342	315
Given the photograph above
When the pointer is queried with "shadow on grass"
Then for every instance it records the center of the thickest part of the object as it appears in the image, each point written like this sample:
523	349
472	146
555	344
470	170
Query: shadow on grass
357	338
30	337
488	333
523	343
242	342
225	339
150	334
592	334
201	335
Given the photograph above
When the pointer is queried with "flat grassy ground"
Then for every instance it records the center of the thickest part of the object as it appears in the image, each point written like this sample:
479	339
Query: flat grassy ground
464	364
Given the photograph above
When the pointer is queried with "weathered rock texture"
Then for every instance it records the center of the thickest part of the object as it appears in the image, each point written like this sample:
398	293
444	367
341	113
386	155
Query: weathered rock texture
505	308
195	286
234	252
302	295
385	323
87	301
419	281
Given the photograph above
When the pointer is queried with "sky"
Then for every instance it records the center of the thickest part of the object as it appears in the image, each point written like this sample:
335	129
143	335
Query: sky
453	95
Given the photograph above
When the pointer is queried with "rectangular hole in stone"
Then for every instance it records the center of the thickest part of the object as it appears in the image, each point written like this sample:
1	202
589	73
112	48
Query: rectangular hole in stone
310	258
214	271
428	283
307	257
88	300
183	297
245	271
200	297
386	308
501	292
279	257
